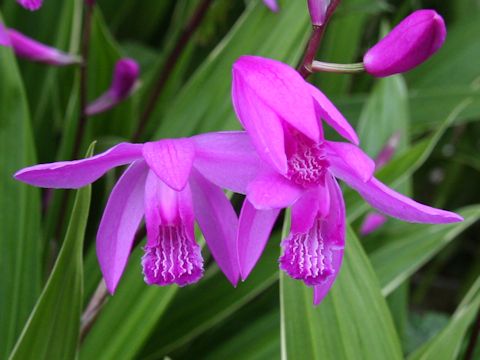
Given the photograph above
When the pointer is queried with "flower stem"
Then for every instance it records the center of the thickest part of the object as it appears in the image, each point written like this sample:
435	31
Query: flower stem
190	28
320	66
305	67
100	297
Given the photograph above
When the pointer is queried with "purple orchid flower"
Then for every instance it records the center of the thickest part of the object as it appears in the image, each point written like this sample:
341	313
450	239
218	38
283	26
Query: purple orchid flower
31	5
282	114
168	182
124	82
272	5
33	50
409	44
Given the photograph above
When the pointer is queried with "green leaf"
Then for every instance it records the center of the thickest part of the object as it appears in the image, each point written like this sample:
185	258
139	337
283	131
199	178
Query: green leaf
447	344
21	237
411	245
52	331
352	322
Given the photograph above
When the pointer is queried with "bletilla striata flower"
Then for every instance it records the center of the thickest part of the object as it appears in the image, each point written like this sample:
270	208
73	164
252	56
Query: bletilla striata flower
27	48
409	44
272	5
31	4
123	84
168	183
282	114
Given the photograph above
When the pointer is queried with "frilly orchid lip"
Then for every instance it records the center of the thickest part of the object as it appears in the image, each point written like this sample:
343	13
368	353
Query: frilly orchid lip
171	183
409	44
283	116
124	83
31	5
33	50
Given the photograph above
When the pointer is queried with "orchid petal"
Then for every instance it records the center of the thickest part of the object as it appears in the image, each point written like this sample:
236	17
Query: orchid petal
313	203
279	87
254	230
394	204
333	229
262	124
171	160
228	159
31	4
350	158
328	112
30	49
119	223
273	191
78	173
218	222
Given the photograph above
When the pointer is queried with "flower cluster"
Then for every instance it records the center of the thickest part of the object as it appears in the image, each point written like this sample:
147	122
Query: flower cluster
281	160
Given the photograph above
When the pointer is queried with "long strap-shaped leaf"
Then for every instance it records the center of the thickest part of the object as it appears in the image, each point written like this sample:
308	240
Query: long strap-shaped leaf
53	327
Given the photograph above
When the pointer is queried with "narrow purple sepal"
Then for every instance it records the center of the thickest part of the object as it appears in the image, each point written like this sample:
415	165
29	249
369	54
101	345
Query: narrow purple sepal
120	221
408	45
318	11
33	50
125	79
31	5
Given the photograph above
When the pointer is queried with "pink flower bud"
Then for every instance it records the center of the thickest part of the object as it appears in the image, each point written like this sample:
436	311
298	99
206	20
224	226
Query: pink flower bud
33	50
272	5
408	45
31	4
123	84
318	11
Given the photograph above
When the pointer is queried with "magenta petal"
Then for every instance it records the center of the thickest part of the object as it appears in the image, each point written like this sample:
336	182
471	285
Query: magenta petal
78	173
171	160
262	124
33	50
394	204
330	114
272	5
278	87
313	203
273	191
408	45
333	229
171	254
101	104
119	223
350	158
31	4
254	230
218	222
228	159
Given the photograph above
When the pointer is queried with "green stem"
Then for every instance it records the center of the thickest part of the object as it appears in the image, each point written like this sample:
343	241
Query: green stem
319	66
